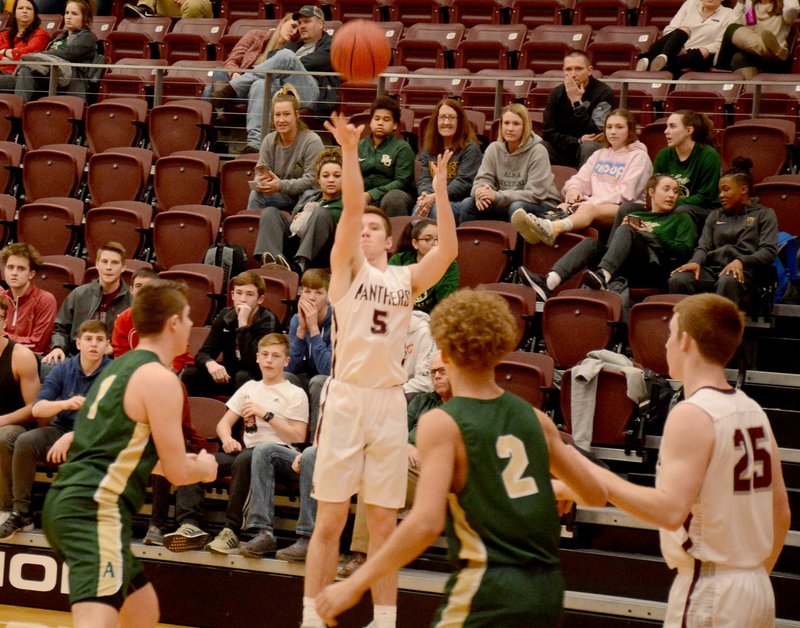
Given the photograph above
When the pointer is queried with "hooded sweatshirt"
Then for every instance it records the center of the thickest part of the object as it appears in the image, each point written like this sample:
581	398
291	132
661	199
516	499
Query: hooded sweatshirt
614	176
523	175
419	348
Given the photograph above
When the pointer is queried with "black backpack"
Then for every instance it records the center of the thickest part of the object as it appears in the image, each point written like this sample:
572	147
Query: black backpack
232	258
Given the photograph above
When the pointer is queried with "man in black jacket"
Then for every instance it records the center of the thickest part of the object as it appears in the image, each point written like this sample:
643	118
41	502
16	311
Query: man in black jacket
310	53
575	115
234	333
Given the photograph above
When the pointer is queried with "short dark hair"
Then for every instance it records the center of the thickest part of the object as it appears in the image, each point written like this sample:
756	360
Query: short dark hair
386	102
316	279
22	249
249	278
92	326
740	171
387	224
115	247
145	273
579	53
155	303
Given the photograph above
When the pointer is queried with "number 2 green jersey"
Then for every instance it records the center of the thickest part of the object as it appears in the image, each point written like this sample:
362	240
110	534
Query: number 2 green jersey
112	456
506	512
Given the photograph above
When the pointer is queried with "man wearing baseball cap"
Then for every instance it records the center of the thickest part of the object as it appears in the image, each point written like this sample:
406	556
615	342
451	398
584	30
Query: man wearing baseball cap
310	53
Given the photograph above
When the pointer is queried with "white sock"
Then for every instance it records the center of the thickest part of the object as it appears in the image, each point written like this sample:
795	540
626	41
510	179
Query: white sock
553	280
606	274
567	224
384	616
310	617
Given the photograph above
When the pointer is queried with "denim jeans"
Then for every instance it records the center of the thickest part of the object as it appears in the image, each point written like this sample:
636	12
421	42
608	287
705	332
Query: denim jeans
271	461
468	210
251	86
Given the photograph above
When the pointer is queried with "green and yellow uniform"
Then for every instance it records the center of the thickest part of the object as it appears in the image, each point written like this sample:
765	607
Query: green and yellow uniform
502	528
89	508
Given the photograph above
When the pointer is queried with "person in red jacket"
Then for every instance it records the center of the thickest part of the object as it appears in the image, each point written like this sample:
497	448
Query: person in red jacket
31	311
20	36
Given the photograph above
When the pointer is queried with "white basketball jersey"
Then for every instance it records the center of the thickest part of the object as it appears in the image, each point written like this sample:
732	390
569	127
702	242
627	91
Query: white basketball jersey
731	523
370	324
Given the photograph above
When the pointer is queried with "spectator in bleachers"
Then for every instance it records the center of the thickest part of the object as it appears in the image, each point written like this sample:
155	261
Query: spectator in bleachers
32	311
738	244
448	129
310	339
75	44
285	167
253	48
418	406
760	47
514	174
690	157
611	176
419	348
274	411
19	385
308	231
21	35
691	39
311	53
102	299
170	8
57	404
644	249
416	241
387	163
235	333
575	113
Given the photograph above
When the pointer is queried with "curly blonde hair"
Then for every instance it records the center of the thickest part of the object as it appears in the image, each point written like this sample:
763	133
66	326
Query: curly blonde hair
473	328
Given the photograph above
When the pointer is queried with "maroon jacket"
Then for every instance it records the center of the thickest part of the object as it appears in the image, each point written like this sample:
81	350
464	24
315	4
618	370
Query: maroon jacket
30	321
246	51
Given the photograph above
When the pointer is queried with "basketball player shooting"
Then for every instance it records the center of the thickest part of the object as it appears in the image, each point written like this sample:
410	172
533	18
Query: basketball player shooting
363	428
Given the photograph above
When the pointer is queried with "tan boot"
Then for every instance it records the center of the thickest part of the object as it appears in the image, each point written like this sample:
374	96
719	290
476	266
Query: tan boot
774	46
748	72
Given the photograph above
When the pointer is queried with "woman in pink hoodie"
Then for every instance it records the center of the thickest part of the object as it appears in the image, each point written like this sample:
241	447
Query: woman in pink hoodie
611	176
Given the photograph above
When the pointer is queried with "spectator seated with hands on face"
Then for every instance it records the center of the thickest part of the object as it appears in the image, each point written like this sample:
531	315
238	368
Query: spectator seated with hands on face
235	333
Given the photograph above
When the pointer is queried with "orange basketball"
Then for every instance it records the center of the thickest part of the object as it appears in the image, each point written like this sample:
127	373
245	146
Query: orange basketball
359	51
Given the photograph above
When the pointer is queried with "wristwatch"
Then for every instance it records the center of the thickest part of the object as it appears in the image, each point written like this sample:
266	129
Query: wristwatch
577	104
268	417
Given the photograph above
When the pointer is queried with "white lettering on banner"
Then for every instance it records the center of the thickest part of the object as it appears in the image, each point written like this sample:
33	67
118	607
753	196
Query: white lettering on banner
16	579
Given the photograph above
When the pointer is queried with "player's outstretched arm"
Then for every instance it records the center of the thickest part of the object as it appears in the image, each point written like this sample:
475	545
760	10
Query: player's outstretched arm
163	410
781	515
569	466
685	452
437	441
346	252
432	267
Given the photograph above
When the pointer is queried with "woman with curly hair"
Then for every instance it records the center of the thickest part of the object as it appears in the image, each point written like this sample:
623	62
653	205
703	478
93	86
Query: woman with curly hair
20	36
416	241
448	129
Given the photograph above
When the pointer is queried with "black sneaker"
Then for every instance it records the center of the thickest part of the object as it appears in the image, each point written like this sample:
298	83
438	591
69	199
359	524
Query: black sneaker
15	523
537	282
260	545
139	10
594	280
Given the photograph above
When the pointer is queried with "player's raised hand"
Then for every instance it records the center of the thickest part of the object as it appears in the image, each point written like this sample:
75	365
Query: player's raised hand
440	172
346	134
335	599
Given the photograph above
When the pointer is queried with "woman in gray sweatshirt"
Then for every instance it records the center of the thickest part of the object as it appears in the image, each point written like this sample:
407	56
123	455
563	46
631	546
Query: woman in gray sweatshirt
514	174
285	167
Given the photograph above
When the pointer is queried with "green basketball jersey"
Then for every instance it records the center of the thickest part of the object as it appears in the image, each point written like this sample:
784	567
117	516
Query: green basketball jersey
506	512
112	456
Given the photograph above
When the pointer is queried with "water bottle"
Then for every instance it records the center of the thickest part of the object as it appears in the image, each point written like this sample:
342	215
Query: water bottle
750	13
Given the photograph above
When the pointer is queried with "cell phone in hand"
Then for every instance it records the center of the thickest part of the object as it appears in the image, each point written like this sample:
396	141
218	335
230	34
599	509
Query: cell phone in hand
635	221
